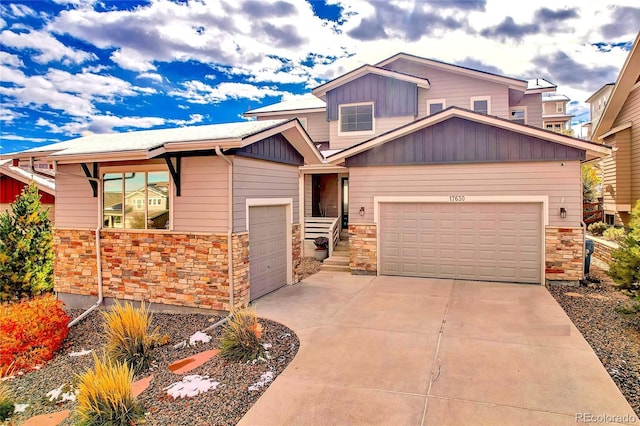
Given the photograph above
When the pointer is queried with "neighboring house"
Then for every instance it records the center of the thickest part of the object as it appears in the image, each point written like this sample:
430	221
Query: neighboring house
597	103
14	178
429	169
554	113
619	127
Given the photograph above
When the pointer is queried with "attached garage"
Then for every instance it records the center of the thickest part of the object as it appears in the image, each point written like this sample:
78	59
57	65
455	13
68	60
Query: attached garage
469	241
267	249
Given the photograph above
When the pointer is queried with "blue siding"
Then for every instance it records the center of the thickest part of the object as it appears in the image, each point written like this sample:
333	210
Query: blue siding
392	98
275	148
461	141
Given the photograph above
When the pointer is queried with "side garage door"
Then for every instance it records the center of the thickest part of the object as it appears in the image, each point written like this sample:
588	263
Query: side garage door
484	242
267	249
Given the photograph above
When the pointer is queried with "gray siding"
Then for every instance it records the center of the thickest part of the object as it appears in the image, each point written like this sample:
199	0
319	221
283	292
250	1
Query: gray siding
204	202
275	148
261	179
317	125
461	141
381	125
76	207
561	183
391	97
533	103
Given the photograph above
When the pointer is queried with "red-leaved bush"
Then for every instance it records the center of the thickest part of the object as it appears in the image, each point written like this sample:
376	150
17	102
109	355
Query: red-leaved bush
31	331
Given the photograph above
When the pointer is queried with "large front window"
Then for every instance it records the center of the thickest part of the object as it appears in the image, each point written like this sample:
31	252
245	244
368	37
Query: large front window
356	118
136	200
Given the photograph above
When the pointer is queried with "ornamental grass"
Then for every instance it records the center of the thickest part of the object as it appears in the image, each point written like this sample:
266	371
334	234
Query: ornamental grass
240	339
105	395
129	336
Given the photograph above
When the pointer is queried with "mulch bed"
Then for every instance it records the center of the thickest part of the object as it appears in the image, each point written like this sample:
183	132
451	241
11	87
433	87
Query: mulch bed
224	405
614	336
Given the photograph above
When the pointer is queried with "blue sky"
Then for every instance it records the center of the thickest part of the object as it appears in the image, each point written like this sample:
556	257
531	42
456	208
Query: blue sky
75	67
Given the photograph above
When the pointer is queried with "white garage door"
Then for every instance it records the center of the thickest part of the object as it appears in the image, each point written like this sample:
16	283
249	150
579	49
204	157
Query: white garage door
484	242
267	249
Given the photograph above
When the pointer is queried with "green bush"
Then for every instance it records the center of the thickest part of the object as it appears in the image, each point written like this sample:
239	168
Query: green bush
6	403
597	228
241	337
615	234
624	268
26	248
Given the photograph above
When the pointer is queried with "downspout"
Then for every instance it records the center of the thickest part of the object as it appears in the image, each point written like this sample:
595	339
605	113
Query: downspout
98	257
230	228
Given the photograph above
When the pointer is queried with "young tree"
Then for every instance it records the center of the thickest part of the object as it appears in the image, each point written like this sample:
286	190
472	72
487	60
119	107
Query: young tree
26	248
625	265
591	181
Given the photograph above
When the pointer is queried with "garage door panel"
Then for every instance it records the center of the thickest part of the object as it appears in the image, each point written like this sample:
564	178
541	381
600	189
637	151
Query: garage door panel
267	249
485	241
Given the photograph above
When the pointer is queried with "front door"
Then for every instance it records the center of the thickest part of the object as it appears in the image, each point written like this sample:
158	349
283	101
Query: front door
345	203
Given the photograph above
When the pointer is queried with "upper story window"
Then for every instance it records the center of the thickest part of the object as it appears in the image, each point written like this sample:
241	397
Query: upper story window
518	114
481	104
136	200
560	107
356	118
436	105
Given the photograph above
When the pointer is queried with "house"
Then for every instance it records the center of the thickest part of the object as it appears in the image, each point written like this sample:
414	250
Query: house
554	113
597	102
170	213
443	171
619	127
14	178
427	168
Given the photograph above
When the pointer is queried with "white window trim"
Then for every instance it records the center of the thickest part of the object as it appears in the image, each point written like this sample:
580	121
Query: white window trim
472	99
288	203
559	107
435	101
367	132
515	108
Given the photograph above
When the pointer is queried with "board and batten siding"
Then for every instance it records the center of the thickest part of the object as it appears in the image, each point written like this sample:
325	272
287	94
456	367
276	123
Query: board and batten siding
204	201
261	179
76	207
456	89
561	183
317	124
631	112
382	125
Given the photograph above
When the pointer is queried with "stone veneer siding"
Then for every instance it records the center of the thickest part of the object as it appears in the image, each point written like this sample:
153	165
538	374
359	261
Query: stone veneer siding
602	251
363	251
296	251
174	268
564	254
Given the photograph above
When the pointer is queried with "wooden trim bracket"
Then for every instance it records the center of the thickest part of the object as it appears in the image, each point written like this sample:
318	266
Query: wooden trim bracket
92	181
175	171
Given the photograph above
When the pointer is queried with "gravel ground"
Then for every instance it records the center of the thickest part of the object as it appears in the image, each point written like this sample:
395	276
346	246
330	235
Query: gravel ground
223	406
614	337
308	267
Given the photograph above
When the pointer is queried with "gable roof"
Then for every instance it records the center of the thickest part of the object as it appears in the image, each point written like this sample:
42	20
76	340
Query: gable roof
322	90
592	150
628	77
512	83
307	103
599	91
148	144
44	183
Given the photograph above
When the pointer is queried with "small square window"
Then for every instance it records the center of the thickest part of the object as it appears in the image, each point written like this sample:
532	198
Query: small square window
609	219
435	105
519	115
481	104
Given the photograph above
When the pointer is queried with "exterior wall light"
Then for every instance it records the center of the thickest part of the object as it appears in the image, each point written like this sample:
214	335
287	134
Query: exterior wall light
563	212
362	211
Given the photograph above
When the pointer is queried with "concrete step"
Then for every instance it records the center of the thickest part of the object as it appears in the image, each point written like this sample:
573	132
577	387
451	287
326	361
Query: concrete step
336	261
335	268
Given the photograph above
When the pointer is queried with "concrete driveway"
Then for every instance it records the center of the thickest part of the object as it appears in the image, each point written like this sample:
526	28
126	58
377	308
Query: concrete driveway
414	351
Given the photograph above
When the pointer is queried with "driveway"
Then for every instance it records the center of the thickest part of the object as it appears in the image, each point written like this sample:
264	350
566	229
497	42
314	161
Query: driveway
417	351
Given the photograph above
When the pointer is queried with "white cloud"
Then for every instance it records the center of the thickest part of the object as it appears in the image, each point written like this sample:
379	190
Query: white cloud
101	124
49	47
21	10
198	92
193	119
11	60
130	59
151	76
7	115
23	139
